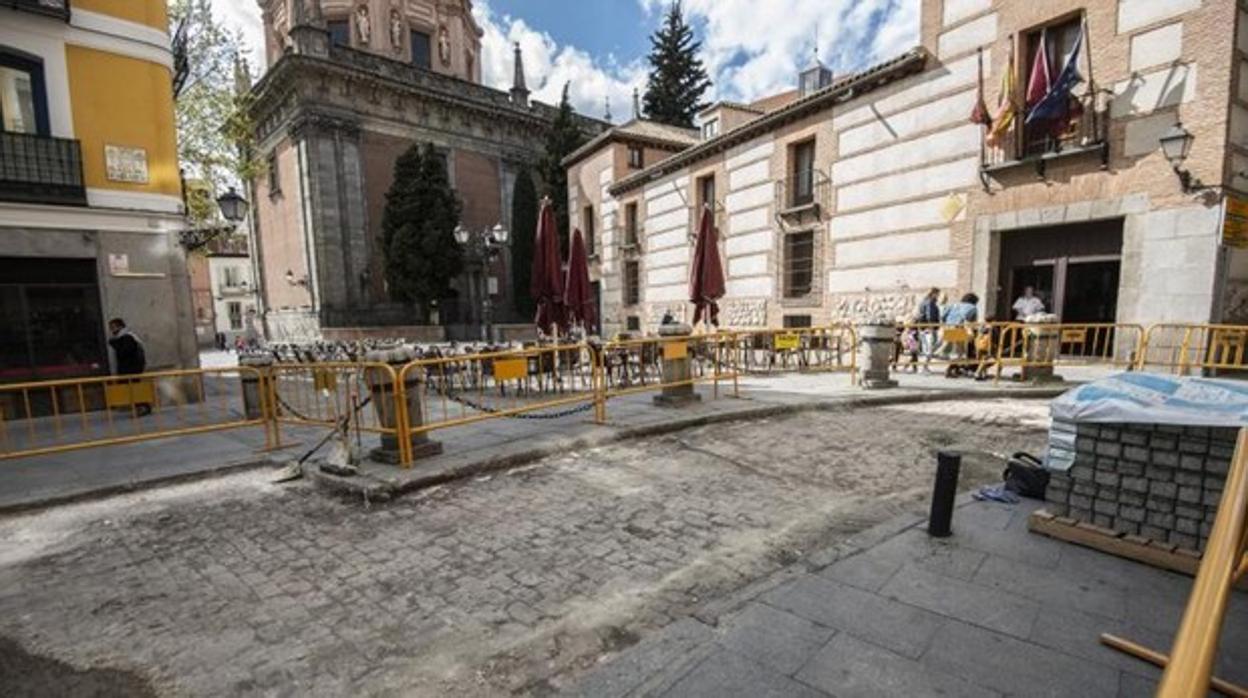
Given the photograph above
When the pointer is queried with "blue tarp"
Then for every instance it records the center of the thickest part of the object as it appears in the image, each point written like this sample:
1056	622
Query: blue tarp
1156	399
1143	398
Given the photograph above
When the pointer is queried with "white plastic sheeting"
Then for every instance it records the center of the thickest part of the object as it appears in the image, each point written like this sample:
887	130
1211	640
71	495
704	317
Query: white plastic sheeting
1143	398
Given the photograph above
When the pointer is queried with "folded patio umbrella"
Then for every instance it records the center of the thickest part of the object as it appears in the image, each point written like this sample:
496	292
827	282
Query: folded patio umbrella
578	297
706	280
546	284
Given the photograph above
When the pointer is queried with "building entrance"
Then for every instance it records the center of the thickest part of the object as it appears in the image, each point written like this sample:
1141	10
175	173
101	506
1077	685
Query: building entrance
1074	269
50	320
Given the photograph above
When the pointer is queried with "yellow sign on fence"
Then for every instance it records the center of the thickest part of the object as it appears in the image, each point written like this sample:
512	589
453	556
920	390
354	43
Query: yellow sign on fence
1235	223
787	341
675	350
511	369
1075	336
127	394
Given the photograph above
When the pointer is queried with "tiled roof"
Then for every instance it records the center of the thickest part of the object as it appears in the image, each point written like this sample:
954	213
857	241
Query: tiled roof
842	90
640	131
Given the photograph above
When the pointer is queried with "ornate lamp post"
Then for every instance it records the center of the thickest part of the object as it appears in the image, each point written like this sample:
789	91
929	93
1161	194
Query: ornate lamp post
484	246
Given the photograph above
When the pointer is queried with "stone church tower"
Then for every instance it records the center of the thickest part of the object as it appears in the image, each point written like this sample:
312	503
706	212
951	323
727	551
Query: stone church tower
351	85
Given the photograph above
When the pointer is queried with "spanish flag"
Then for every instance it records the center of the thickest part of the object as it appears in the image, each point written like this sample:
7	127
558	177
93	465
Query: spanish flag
1007	109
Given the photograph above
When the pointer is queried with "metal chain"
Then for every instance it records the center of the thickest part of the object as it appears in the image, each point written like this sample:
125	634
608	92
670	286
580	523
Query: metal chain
523	415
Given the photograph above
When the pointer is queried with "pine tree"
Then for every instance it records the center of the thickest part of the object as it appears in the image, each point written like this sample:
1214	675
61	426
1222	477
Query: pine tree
523	232
564	137
418	230
677	78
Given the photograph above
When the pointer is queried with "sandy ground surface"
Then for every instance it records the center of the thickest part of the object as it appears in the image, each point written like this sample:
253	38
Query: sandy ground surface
510	584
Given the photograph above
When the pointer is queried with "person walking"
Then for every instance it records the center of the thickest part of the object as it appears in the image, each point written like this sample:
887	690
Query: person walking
929	318
130	356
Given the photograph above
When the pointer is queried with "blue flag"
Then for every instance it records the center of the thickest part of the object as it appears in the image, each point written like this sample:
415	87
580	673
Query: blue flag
1056	103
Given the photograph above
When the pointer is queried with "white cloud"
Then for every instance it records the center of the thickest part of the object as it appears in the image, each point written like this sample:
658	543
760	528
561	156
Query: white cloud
244	16
548	66
752	49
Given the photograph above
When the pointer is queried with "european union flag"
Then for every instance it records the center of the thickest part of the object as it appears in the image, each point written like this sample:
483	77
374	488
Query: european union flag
1055	106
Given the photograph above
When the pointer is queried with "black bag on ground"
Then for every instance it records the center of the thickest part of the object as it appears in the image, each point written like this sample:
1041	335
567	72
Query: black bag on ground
1025	475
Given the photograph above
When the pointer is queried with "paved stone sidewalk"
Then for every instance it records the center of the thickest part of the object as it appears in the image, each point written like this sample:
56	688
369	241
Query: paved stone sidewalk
992	611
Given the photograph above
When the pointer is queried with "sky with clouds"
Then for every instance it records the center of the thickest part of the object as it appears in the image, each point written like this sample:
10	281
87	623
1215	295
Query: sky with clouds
751	48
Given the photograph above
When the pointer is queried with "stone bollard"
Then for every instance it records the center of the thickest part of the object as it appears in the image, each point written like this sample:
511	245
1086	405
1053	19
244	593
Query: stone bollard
253	402
677	367
384	404
1043	342
875	354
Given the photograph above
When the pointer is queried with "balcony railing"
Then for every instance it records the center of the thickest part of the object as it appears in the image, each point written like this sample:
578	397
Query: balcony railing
803	191
52	8
41	170
1038	144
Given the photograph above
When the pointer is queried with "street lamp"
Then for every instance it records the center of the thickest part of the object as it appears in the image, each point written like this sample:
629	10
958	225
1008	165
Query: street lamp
484	246
233	206
1176	144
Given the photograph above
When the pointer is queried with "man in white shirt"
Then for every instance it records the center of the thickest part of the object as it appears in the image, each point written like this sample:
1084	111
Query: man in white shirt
1028	304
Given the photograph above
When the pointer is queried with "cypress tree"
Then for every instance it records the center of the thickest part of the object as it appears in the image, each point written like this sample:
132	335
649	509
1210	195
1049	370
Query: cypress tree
564	137
418	230
677	78
523	231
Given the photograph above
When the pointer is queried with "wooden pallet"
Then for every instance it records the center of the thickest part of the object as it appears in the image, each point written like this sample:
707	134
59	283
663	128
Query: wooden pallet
1132	547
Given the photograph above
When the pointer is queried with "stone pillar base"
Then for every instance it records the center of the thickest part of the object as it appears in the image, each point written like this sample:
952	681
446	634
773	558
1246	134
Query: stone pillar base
676	398
390	456
870	383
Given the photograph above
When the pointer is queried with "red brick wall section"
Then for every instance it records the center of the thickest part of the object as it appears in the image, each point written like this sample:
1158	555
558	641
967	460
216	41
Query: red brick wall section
281	233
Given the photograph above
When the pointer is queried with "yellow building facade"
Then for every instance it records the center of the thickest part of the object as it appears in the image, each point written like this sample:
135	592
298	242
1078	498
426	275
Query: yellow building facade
90	193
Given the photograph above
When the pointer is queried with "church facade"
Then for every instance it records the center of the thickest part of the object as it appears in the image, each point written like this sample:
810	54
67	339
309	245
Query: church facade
351	85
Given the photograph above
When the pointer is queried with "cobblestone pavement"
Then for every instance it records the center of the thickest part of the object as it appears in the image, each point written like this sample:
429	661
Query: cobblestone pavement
507	584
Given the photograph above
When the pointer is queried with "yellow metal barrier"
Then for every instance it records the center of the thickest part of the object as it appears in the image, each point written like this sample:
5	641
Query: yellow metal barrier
1044	346
1184	348
65	415
1189	668
360	397
636	365
830	348
463	389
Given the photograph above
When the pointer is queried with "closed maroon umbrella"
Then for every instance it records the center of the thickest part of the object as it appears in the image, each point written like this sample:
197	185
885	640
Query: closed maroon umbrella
546	284
706	282
578	297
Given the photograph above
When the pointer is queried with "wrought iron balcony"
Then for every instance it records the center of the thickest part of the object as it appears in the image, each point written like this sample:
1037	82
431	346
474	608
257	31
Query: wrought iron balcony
1038	144
52	8
41	170
802	192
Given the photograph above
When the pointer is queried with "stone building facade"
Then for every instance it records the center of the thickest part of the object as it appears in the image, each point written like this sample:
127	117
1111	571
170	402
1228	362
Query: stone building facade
855	194
352	84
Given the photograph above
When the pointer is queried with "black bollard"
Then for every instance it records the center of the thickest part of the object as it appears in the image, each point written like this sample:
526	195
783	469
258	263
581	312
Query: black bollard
943	493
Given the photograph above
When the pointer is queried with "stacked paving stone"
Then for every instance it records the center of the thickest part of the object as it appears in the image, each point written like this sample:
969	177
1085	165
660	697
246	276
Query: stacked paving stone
1160	482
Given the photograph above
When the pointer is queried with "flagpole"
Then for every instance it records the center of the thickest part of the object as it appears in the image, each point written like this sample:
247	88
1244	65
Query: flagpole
1087	47
1020	107
982	129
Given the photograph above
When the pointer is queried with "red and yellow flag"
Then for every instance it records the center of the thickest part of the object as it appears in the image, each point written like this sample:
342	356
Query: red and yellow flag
1007	109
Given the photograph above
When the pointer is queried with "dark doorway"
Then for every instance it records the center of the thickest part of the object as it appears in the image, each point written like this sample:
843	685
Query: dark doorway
50	320
1074	269
1091	293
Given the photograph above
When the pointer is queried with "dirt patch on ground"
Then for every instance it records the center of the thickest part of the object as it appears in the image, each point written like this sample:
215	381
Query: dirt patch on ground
26	675
505	584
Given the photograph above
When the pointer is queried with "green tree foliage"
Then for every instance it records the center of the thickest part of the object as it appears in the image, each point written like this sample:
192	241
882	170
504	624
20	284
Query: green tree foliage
677	78
523	232
564	137
211	108
418	230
